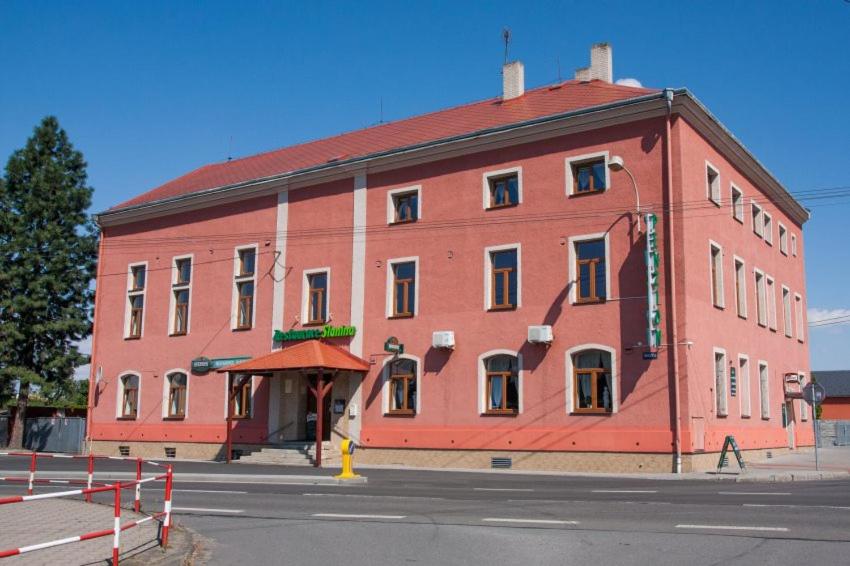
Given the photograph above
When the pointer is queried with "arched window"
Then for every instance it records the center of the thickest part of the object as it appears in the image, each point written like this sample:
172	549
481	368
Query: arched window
502	384
177	383
129	396
403	387
592	382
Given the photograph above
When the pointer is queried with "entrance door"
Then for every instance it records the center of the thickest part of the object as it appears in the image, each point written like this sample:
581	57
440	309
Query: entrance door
312	412
788	421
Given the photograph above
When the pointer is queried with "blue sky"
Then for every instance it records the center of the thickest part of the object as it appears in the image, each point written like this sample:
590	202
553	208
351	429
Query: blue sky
151	90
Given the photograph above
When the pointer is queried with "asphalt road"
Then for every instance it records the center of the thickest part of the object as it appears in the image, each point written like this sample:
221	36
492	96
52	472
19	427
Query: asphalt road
445	518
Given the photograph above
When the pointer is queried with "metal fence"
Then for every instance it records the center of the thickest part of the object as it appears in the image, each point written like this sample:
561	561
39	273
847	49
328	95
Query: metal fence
55	434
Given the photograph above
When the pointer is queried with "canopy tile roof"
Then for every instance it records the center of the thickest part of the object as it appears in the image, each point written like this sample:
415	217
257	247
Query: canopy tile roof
311	354
541	102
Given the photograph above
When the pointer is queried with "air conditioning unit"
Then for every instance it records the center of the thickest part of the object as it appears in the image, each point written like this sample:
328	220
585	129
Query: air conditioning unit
444	339
540	334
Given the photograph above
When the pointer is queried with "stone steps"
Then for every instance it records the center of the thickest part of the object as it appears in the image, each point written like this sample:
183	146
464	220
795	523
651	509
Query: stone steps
293	454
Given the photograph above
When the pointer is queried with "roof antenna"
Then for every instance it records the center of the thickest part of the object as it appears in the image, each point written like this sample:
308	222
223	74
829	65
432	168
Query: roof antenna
230	149
381	117
506	36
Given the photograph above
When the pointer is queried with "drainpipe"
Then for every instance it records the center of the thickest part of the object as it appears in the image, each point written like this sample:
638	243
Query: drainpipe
671	258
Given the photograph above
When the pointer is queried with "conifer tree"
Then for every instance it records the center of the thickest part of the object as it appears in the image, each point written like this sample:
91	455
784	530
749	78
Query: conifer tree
48	252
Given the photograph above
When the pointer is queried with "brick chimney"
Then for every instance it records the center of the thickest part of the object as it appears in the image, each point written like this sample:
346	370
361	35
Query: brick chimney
513	80
601	65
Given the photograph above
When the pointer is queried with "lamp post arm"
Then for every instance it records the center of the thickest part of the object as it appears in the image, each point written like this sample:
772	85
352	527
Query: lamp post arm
637	194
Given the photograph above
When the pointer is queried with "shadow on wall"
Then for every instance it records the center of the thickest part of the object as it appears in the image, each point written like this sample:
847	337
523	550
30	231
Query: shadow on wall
633	305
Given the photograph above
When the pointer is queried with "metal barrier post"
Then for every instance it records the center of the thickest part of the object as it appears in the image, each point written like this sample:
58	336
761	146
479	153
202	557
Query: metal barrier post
90	476
116	530
32	473
167	522
137	504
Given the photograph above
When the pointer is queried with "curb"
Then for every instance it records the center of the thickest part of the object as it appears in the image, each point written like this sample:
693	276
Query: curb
279	479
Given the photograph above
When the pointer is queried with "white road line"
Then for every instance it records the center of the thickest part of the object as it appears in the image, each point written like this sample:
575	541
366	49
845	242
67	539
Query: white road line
501	489
205	510
365	496
357	516
753	493
624	491
529	521
794	506
732	528
209	491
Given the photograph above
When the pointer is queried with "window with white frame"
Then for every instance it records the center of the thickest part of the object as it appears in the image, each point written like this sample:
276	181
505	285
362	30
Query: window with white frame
501	384
317	287
794	245
592	381
720	394
771	303
761	298
404	205
768	228
402	291
798	307
401	378
587	174
783	239
244	287
744	384
135	315
764	389
737	204
712	183
181	287
503	281
241	395
128	396
589	261
178	386
804	407
716	267
741	287
786	312
502	188
758	220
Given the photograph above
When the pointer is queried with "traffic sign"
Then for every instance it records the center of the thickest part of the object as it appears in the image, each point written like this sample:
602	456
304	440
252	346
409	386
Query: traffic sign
814	393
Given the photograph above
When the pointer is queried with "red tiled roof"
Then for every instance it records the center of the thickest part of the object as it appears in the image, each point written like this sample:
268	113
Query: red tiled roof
536	103
309	354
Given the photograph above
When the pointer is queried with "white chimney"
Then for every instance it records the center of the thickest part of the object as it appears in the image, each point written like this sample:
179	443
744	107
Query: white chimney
513	80
601	65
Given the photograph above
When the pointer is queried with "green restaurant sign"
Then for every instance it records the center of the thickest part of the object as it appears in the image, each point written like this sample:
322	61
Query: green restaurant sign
203	365
311	333
653	264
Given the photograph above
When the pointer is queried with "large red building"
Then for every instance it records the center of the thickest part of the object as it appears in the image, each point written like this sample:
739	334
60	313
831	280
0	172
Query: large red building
546	314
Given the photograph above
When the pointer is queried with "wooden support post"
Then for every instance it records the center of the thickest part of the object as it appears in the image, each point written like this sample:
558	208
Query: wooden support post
229	442
320	401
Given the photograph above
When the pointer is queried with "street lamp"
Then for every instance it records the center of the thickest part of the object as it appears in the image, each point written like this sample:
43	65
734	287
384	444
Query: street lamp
616	164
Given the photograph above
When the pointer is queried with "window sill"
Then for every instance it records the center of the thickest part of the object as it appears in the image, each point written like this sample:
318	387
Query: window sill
505	413
397	316
502	206
745	416
720	307
742	316
597	412
174	418
401	413
128	418
589	301
314	323
574	194
502	308
178	334
396	222
236	418
242	328
716	203
133	337
738	220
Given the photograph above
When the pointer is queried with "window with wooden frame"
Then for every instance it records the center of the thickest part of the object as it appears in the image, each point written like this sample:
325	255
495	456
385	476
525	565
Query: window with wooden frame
406	206
712	183
737	204
177	387
593	390
247	262
404	289
716	266
758	220
129	396
504	190
136	301
241	396
180	289
245	312
764	390
244	288
501	379
741	288
403	387
591	279
721	398
589	177
503	279
317	298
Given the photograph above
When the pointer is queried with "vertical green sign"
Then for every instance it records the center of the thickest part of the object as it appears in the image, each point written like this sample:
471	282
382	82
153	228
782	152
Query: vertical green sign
653	263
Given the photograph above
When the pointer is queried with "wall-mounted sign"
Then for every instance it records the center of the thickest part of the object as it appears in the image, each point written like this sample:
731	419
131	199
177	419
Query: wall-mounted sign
650	355
203	365
653	263
733	382
393	346
339	406
311	333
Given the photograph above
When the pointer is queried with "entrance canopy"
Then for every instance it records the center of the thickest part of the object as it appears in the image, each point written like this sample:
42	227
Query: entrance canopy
312	354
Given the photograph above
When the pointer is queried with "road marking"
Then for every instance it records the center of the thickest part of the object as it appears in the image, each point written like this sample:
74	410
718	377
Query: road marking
733	528
529	521
501	489
205	510
366	496
209	491
794	506
753	493
357	516
624	491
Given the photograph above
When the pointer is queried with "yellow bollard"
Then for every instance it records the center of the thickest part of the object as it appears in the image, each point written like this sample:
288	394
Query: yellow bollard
347	448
